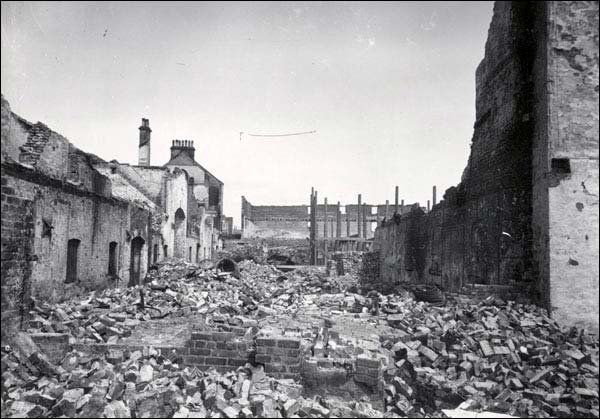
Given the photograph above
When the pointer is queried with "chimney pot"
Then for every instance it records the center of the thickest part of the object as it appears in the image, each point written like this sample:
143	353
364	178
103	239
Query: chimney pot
144	143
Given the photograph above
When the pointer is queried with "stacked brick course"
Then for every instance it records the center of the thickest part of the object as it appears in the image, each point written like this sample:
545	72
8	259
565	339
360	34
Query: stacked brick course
281	355
223	350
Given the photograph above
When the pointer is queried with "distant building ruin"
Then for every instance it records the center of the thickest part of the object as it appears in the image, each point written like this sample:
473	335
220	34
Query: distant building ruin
293	221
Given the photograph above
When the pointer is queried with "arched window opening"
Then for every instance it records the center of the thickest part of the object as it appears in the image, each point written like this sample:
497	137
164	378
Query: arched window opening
112	258
72	256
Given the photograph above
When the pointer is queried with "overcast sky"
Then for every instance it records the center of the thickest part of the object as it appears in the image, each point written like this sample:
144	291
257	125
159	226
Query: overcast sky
388	87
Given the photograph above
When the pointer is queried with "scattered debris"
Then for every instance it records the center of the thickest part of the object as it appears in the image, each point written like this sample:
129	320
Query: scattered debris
455	357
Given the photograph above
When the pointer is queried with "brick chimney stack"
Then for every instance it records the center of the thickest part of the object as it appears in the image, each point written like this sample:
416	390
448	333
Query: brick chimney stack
144	147
183	146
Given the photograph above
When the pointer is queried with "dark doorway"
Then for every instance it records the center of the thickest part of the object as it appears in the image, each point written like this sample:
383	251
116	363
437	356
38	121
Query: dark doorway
180	234
155	256
72	256
197	253
112	258
135	264
165	251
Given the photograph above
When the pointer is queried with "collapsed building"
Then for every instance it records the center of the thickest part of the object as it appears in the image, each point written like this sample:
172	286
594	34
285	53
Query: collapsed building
73	222
525	214
293	221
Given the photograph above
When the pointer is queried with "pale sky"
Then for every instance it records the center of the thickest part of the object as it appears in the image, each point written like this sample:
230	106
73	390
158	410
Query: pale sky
389	88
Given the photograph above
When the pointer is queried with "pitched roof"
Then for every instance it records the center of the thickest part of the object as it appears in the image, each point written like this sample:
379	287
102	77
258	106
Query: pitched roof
121	188
184	159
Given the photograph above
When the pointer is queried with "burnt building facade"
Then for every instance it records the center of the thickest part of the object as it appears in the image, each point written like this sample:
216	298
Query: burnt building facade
72	222
526	211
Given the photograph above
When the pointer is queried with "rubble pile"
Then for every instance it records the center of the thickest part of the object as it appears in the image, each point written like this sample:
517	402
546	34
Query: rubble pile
348	263
287	255
369	272
254	251
495	356
146	383
476	354
180	289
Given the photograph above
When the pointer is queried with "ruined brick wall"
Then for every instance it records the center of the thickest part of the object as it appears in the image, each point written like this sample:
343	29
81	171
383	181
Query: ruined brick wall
400	242
526	210
176	198
268	221
39	216
566	168
17	255
293	221
43	207
481	232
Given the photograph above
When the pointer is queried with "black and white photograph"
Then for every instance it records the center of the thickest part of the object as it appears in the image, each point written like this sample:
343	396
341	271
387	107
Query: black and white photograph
300	209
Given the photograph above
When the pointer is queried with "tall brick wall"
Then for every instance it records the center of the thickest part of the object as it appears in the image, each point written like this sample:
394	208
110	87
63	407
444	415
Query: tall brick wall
17	255
526	210
480	233
566	181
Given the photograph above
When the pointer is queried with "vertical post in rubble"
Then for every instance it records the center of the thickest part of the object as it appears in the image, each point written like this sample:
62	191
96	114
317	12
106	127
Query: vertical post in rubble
338	221
325	220
347	222
387	209
428	205
313	223
358	208
402	207
364	219
377	217
434	201
396	202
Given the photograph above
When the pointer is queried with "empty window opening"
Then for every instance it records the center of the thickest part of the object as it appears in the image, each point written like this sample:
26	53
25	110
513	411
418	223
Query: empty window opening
190	254
213	195
155	254
112	258
135	261
72	255
561	166
197	253
374	210
165	251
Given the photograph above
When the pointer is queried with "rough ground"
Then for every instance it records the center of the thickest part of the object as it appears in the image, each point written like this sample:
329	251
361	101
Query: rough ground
489	355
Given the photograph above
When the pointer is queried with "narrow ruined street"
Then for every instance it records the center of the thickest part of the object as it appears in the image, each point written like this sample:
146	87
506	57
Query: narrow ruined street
300	209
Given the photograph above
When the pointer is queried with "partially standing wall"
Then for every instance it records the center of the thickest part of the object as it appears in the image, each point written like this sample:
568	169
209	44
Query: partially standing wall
62	231
526	210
